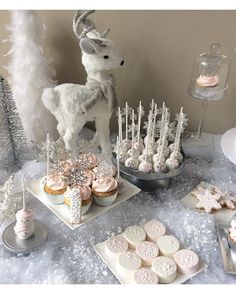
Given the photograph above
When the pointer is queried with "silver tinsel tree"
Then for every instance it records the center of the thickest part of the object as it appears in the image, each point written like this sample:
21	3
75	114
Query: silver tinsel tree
13	146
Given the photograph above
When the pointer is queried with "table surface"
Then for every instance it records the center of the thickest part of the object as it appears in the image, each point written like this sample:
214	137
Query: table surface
69	257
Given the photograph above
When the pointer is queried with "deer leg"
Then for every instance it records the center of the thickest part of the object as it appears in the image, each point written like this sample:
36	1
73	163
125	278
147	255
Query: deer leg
95	139
103	130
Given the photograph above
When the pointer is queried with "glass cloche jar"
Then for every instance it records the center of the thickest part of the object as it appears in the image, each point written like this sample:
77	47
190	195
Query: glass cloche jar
209	79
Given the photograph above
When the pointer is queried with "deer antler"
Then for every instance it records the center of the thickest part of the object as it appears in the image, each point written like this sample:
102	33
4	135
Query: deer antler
87	25
80	19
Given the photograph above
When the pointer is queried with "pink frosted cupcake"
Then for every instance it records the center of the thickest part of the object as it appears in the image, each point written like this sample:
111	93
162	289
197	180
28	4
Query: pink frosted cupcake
104	191
87	161
86	196
67	166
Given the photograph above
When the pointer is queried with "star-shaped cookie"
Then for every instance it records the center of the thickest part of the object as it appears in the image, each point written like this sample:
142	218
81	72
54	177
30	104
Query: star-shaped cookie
208	200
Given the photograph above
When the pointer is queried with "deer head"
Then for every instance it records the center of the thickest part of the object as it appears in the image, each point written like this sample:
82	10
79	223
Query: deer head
98	52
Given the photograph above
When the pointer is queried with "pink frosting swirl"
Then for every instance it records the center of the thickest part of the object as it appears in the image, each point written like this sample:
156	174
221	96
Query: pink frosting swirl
208	80
104	184
67	166
56	182
85	191
90	177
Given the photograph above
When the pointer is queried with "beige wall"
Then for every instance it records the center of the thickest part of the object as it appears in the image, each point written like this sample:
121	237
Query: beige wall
158	47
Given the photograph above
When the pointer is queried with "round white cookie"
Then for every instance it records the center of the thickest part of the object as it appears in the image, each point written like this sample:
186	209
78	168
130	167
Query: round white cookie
134	235
165	268
115	245
148	251
154	230
187	261
128	263
145	276
168	245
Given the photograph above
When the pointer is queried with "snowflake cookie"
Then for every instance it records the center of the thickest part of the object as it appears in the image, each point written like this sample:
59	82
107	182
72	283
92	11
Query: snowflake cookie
226	199
208	200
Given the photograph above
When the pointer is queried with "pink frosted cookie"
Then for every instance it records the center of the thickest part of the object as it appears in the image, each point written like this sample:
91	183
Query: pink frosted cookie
148	251
115	246
187	261
168	245
154	230
134	235
145	276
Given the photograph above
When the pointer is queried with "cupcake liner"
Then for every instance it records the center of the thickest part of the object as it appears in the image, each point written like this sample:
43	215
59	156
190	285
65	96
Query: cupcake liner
53	199
105	201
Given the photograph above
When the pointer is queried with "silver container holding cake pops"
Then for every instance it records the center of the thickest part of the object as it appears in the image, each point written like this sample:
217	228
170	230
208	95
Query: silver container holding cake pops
149	181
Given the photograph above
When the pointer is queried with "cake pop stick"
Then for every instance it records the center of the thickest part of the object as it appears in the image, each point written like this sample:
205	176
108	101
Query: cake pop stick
148	135
126	120
118	158
154	123
179	130
140	114
132	125
23	189
120	125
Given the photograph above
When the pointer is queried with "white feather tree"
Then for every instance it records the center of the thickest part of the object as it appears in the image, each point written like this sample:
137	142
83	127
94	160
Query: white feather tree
30	72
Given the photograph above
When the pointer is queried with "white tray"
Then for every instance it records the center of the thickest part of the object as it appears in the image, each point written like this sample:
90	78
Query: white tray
223	215
127	191
111	263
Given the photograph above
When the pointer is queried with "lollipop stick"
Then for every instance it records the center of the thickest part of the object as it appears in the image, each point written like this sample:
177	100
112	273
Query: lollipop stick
139	120
126	120
118	158
48	144
132	133
23	189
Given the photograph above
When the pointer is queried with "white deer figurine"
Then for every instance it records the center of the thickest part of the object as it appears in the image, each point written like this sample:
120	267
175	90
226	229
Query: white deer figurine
73	104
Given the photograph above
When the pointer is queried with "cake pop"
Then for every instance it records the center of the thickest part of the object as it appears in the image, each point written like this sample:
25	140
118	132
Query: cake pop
145	166
172	163
132	163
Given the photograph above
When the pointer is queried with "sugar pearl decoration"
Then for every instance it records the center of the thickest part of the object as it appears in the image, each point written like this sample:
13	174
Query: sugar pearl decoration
146	167
132	163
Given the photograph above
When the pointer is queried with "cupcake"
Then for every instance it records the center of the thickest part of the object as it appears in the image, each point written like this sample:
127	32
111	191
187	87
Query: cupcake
104	190
109	169
82	177
66	167
87	161
86	196
54	187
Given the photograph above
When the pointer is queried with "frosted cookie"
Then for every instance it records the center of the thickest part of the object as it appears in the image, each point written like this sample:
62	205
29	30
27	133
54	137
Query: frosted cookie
114	246
145	276
226	199
128	263
165	268
154	230
207	200
134	235
168	245
187	261
148	251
